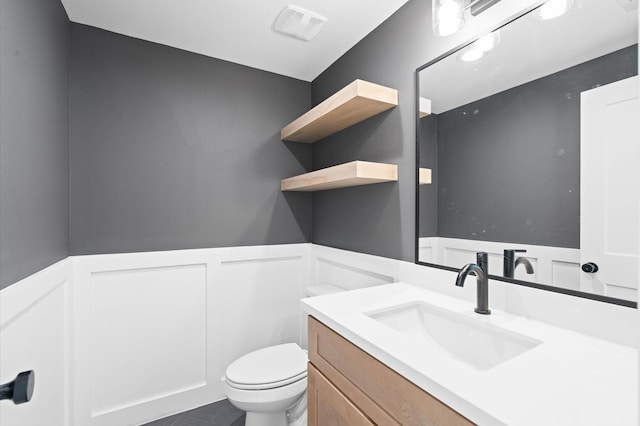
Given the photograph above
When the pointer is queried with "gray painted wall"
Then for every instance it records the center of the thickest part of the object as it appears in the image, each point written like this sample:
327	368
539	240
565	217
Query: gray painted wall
173	150
34	135
379	219
523	184
428	194
375	219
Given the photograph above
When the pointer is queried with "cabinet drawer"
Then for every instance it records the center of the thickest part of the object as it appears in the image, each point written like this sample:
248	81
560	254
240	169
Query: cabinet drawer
328	406
385	396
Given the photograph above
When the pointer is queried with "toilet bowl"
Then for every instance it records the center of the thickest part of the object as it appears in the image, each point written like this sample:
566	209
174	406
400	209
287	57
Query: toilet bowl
268	382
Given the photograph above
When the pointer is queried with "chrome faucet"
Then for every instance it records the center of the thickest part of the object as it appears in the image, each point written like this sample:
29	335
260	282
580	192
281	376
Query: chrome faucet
511	263
481	270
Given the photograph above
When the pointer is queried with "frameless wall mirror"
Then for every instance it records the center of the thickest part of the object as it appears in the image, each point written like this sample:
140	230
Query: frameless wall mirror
528	149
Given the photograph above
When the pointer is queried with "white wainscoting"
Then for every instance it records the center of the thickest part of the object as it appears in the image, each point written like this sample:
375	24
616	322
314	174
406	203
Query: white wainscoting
123	339
34	325
557	266
350	270
346	270
259	303
154	332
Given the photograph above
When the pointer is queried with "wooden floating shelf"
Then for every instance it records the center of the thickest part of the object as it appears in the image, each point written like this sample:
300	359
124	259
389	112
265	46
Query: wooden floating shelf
354	173
352	104
424	176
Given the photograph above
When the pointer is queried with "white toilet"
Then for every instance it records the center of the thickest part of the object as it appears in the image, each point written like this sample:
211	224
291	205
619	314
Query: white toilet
269	383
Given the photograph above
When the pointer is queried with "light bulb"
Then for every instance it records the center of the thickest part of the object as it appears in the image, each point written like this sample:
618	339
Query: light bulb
448	16
553	9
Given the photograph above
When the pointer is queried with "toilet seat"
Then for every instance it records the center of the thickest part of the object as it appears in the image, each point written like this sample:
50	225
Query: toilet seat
266	386
268	368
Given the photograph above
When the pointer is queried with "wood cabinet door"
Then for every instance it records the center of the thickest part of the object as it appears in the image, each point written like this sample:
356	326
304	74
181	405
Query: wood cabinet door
387	398
328	406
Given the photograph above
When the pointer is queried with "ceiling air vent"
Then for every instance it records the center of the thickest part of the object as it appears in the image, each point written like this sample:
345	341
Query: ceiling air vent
299	23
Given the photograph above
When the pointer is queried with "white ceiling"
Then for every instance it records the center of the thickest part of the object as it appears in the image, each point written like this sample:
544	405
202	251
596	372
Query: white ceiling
239	30
531	49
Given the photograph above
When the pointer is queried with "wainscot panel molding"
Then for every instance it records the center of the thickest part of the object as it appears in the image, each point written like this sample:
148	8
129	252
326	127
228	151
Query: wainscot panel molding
558	266
340	270
349	270
154	332
34	335
123	339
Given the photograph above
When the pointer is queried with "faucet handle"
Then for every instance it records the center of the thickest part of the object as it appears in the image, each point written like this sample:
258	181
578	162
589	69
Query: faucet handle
510	252
482	260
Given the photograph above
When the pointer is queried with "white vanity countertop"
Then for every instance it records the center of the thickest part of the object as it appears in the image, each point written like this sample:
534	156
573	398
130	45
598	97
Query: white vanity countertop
569	379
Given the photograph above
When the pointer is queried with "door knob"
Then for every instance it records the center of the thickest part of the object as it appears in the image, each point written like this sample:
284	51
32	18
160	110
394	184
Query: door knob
19	390
590	268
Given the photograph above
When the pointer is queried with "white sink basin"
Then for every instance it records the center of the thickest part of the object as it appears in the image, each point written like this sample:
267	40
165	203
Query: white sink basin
467	339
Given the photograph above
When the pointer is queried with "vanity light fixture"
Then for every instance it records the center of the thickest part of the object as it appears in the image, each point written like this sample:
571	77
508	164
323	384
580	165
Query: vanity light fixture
296	22
553	9
447	16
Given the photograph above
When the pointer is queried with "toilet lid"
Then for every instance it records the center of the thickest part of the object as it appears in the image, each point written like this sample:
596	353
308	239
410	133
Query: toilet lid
270	367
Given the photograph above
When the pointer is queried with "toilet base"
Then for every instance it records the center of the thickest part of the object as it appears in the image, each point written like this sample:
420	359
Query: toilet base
300	420
266	419
297	415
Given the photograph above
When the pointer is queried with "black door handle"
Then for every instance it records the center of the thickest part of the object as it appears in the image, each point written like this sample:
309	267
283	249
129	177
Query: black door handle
590	268
19	390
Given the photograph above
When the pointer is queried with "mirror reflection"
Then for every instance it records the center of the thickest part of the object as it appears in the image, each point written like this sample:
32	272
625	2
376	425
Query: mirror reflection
528	147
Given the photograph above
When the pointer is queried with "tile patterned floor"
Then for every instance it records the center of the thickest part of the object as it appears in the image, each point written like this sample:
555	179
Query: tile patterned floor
220	413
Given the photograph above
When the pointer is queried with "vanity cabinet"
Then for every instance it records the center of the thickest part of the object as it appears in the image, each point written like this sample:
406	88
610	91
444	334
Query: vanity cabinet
347	386
330	406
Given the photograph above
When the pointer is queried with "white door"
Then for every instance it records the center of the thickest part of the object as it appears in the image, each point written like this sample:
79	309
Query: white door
609	187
